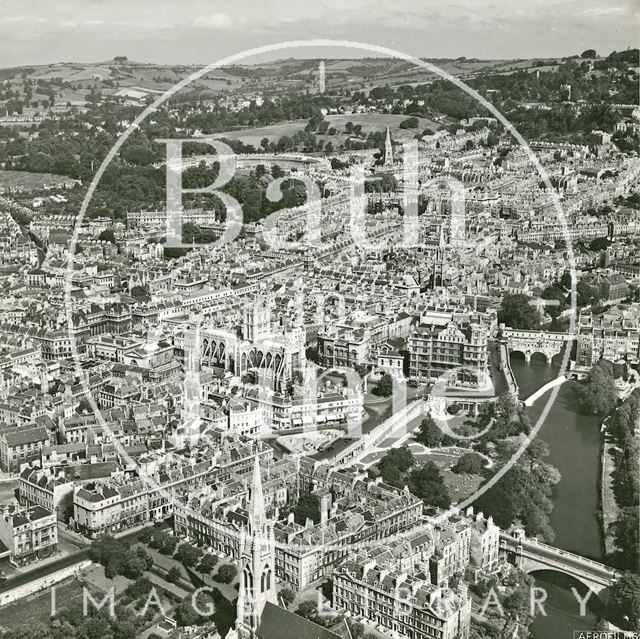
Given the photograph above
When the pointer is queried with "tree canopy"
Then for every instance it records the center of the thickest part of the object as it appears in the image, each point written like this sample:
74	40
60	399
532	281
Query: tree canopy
516	311
470	463
623	608
430	434
596	394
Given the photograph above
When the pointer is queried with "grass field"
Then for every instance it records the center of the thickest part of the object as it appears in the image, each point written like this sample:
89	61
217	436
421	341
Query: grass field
370	122
460	486
24	181
35	610
273	132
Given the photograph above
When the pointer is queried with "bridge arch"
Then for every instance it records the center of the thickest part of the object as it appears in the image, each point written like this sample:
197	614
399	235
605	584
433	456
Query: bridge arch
540	355
519	354
533	568
532	556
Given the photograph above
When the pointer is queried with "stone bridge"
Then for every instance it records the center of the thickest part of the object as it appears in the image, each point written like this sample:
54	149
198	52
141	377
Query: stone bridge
547	343
530	556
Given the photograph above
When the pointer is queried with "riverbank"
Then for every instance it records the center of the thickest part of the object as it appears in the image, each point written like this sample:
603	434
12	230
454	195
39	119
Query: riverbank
609	509
574	443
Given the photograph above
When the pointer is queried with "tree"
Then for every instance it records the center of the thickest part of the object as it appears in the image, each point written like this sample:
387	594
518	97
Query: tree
169	545
565	280
158	538
623	608
589	53
394	465
470	463
226	573
308	507
287	595
185	614
596	393
454	408
516	311
308	609
84	406
410	123
356	628
385	386
146	536
141	293
187	555
627	534
586	294
523	497
207	564
140	587
173	575
429	434
558	294
163	542
428	484
599	244
277	171
134	565
109	552
107	236
96	628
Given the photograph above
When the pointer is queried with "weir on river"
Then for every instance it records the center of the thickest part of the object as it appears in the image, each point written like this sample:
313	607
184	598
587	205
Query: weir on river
561	379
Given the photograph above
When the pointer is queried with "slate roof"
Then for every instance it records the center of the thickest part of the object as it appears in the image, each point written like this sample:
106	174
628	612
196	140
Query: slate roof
26	436
278	623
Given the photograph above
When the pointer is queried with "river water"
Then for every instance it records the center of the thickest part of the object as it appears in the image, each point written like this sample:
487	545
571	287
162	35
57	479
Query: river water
574	442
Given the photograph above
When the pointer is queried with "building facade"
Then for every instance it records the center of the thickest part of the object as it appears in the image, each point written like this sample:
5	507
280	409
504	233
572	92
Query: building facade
30	533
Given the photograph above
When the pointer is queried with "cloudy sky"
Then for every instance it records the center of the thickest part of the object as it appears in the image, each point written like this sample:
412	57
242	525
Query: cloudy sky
203	31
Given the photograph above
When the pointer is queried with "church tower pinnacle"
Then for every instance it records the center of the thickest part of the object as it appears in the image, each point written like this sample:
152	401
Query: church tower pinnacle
257	562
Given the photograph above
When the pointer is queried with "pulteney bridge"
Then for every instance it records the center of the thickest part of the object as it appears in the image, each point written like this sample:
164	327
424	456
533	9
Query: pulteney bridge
547	343
531	555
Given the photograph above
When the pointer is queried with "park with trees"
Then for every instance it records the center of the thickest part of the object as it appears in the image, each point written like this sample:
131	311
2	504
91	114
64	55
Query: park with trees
399	468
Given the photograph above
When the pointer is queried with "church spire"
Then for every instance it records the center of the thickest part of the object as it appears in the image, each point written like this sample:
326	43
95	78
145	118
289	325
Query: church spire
256	503
441	237
388	150
257	562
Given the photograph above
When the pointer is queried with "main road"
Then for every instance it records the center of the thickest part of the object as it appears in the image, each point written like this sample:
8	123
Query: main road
54	566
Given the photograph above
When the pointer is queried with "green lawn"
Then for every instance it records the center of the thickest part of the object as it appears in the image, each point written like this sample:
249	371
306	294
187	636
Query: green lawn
370	122
35	610
30	181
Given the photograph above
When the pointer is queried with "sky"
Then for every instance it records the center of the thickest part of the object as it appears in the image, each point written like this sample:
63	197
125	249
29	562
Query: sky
204	31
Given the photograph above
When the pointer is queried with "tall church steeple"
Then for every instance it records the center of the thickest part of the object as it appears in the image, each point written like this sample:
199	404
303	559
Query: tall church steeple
388	150
257	562
256	502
